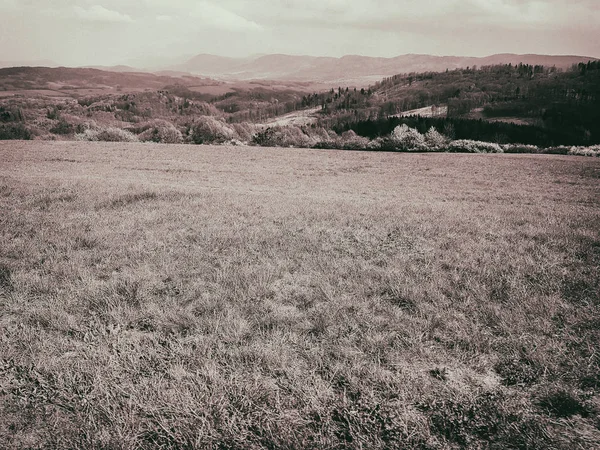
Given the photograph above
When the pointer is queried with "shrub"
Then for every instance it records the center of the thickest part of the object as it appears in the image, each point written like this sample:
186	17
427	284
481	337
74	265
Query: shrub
558	150
585	151
87	135
351	141
162	132
290	136
324	138
208	130
110	134
520	148
321	134
435	140
329	145
406	138
293	136
11	114
53	113
376	144
244	130
62	127
264	138
14	131
469	146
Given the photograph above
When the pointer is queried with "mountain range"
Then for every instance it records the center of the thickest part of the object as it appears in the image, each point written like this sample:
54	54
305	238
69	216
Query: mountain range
347	70
352	68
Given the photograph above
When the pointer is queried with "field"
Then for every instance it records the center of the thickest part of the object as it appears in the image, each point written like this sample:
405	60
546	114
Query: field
165	296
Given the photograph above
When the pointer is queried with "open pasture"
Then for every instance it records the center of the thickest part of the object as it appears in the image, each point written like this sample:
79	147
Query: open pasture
165	296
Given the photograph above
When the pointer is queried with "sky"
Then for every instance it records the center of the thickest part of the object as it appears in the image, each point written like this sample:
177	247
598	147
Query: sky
148	33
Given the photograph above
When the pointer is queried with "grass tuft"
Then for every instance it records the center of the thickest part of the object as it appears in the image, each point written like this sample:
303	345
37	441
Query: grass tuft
562	403
6	283
128	199
518	371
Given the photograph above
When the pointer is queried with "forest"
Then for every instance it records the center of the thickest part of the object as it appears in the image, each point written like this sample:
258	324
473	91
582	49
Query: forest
503	104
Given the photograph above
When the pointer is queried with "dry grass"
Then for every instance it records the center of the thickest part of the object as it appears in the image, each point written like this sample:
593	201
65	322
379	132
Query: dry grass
212	297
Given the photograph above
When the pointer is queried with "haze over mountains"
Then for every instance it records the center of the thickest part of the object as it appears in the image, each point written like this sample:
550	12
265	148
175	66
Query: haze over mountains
28	63
349	69
352	68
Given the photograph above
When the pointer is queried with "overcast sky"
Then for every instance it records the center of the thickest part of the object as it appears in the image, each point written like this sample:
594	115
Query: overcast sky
89	32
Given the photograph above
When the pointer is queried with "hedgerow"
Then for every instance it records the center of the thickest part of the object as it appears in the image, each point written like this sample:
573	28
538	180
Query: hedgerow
469	146
109	134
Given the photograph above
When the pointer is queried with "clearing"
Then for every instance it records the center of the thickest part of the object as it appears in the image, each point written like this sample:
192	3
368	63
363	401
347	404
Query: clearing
427	111
299	118
172	296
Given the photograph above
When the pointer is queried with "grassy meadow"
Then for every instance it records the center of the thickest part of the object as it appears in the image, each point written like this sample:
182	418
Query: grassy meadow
171	296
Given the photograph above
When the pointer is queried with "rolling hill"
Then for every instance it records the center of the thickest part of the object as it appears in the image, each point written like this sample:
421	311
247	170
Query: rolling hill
67	80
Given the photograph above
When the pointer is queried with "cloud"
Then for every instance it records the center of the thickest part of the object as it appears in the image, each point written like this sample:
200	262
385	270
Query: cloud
200	15
78	31
216	16
453	14
8	5
99	13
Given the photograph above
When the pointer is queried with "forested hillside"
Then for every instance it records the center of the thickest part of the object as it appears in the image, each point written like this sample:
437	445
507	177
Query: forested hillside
535	104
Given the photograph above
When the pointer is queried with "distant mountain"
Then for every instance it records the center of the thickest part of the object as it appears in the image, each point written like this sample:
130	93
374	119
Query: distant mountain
119	68
210	64
36	63
352	68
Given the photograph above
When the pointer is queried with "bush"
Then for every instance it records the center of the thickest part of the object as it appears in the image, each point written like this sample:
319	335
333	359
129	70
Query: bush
208	130
324	138
408	139
321	134
293	136
11	114
469	146
289	136
520	148
87	135
110	134
558	150
377	144
62	127
435	140
328	145
53	113
264	138
385	144
14	131
162	132
351	141
585	151
244	130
